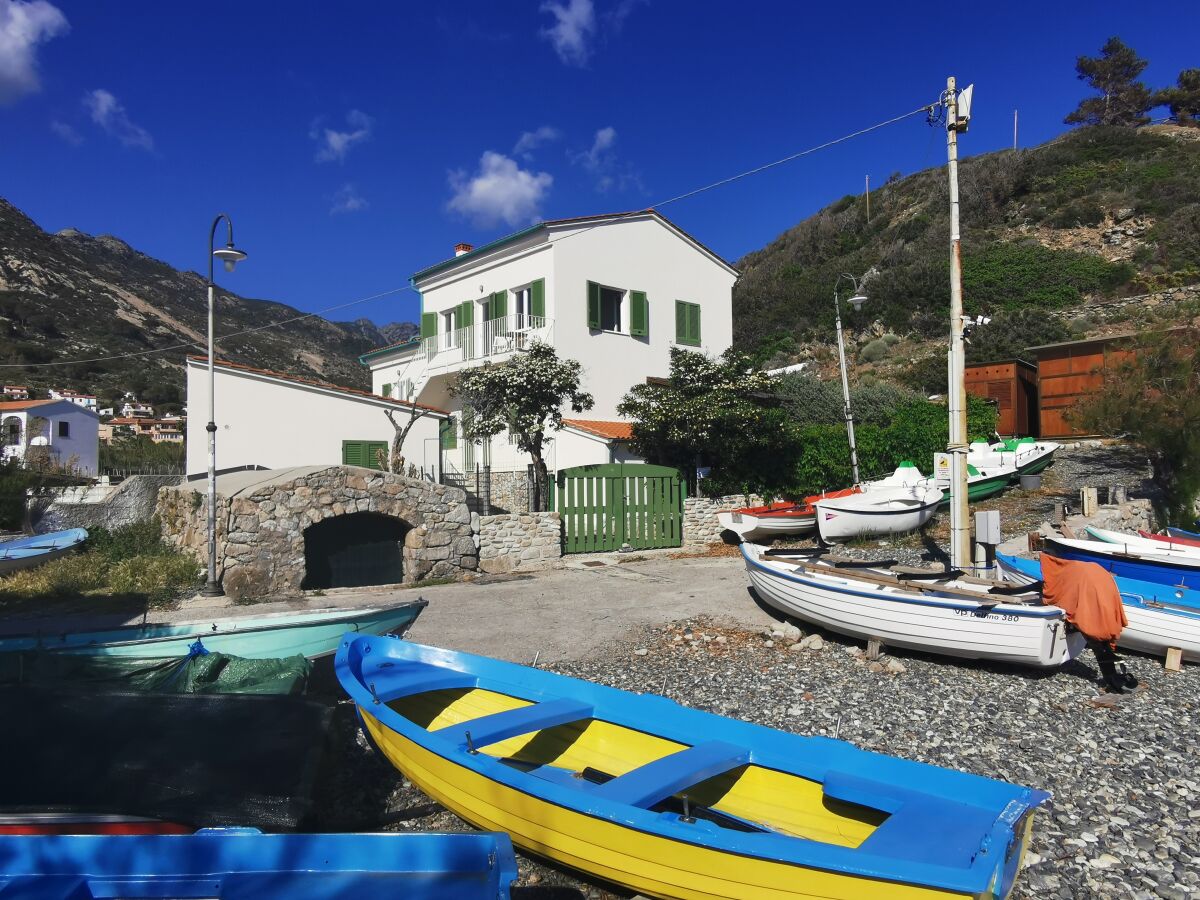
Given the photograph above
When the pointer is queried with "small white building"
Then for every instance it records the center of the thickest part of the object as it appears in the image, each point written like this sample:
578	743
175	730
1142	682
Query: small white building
274	420
615	292
15	392
58	433
87	401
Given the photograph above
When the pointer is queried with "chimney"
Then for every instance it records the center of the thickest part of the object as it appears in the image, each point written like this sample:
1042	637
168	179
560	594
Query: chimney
460	249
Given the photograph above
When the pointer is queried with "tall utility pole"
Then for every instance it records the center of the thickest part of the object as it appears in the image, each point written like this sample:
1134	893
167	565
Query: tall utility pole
960	526
868	199
1014	129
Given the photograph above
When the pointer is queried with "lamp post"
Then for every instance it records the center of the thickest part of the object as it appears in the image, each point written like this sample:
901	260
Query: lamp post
856	300
231	256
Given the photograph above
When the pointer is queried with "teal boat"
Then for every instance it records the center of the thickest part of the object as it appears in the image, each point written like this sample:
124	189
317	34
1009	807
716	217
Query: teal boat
308	634
27	552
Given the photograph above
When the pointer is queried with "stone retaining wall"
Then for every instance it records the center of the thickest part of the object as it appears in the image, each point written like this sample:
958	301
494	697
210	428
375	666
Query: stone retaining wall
260	533
700	515
103	505
1128	309
519	542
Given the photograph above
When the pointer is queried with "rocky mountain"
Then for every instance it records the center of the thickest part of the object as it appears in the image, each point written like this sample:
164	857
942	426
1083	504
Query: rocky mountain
72	296
1094	216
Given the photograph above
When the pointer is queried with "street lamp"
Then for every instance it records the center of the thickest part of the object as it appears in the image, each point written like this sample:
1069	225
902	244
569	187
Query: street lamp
230	256
856	300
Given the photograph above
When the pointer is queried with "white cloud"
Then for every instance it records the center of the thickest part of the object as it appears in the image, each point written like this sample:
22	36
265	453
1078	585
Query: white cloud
601	161
601	152
347	199
531	140
333	145
108	113
573	28
500	191
22	27
66	132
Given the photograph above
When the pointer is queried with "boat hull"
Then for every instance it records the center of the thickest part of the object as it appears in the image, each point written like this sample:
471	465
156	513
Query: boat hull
845	519
1139	567
1160	617
28	552
243	862
752	527
311	635
1009	633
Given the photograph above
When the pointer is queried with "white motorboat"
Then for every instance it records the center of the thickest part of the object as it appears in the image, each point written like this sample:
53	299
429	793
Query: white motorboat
1029	456
786	517
962	617
880	509
1135	543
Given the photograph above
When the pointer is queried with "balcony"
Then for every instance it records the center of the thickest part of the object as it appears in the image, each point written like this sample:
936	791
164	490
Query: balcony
492	340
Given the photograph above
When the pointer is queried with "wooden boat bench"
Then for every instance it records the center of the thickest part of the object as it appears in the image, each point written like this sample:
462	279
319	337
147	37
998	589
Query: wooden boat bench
648	784
500	726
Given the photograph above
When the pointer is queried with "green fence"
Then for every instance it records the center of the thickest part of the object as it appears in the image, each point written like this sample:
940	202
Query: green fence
604	507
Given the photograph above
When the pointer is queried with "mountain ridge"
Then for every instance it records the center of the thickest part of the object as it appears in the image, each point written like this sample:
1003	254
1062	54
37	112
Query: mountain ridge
70	295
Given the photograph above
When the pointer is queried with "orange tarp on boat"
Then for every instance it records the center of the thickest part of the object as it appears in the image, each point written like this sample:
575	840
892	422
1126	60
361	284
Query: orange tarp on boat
1087	593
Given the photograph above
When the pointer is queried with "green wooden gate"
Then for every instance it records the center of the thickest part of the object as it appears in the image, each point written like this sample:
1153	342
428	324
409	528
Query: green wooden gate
606	506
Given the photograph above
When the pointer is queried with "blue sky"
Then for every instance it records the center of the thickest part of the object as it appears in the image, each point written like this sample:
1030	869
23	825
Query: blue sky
354	143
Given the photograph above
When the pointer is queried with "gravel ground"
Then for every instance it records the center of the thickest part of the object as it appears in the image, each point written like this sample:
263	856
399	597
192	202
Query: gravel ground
1125	820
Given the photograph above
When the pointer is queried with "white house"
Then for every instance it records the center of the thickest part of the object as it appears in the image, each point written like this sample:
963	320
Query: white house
615	292
87	401
273	420
58	432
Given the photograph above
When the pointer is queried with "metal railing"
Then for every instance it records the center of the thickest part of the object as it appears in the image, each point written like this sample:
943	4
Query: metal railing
494	337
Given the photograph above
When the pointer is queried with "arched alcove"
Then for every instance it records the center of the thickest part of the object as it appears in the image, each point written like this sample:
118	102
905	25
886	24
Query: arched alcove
354	550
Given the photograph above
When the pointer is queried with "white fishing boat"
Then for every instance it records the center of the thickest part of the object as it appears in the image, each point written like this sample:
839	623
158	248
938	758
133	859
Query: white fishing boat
1029	456
1135	543
962	617
1160	616
879	510
786	517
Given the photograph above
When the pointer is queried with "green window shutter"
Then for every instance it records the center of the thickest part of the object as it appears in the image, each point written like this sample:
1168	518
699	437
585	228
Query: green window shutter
639	314
376	454
428	324
449	433
466	314
387	390
593	305
353	453
537	298
498	306
687	323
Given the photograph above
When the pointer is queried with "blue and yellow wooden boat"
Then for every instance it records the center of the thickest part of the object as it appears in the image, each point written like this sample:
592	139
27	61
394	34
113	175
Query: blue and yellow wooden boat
242	862
310	634
674	802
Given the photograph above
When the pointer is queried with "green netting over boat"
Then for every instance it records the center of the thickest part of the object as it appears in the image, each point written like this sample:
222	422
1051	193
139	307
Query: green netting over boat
197	673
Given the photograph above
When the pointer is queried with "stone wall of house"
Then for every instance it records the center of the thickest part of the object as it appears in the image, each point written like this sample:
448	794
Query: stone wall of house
260	534
519	542
101	505
700	515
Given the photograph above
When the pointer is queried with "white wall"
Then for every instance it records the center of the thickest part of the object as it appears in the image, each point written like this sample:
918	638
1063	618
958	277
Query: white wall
634	255
268	422
80	449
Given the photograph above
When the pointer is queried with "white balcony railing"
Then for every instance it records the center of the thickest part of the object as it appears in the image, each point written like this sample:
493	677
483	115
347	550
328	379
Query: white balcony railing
495	337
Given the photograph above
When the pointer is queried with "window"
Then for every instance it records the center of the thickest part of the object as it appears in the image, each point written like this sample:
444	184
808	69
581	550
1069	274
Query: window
606	310
64	429
687	323
448	431
387	390
521	306
450	335
610	309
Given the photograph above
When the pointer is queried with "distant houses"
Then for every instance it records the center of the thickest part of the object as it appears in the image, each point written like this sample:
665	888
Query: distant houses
57	434
87	401
160	431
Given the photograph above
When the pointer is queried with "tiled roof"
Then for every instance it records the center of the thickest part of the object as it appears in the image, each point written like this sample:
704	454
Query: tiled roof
612	431
412	341
14	405
312	382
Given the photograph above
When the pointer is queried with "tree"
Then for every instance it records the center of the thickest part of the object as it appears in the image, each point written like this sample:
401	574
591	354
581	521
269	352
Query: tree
1154	397
400	429
1184	99
714	412
524	395
1123	99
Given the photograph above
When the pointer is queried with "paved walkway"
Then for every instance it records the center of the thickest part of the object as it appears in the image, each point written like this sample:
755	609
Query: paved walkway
561	614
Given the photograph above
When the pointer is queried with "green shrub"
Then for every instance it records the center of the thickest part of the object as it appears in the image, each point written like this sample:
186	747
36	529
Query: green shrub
891	339
69	576
811	401
127	541
156	577
874	351
1016	275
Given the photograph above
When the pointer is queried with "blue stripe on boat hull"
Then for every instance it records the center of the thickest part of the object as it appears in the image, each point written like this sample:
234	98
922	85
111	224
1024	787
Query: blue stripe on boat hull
1137	568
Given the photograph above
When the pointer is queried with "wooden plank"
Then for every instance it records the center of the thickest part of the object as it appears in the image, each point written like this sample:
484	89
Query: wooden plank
1174	659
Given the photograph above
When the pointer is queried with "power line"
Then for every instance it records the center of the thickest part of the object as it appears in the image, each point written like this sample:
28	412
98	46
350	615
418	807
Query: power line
677	198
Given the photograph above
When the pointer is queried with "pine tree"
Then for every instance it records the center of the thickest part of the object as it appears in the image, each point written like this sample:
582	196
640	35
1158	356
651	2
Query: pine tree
1123	99
1184	99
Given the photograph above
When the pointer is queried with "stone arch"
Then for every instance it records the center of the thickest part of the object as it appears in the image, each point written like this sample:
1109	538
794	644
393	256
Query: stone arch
263	518
11	431
357	549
